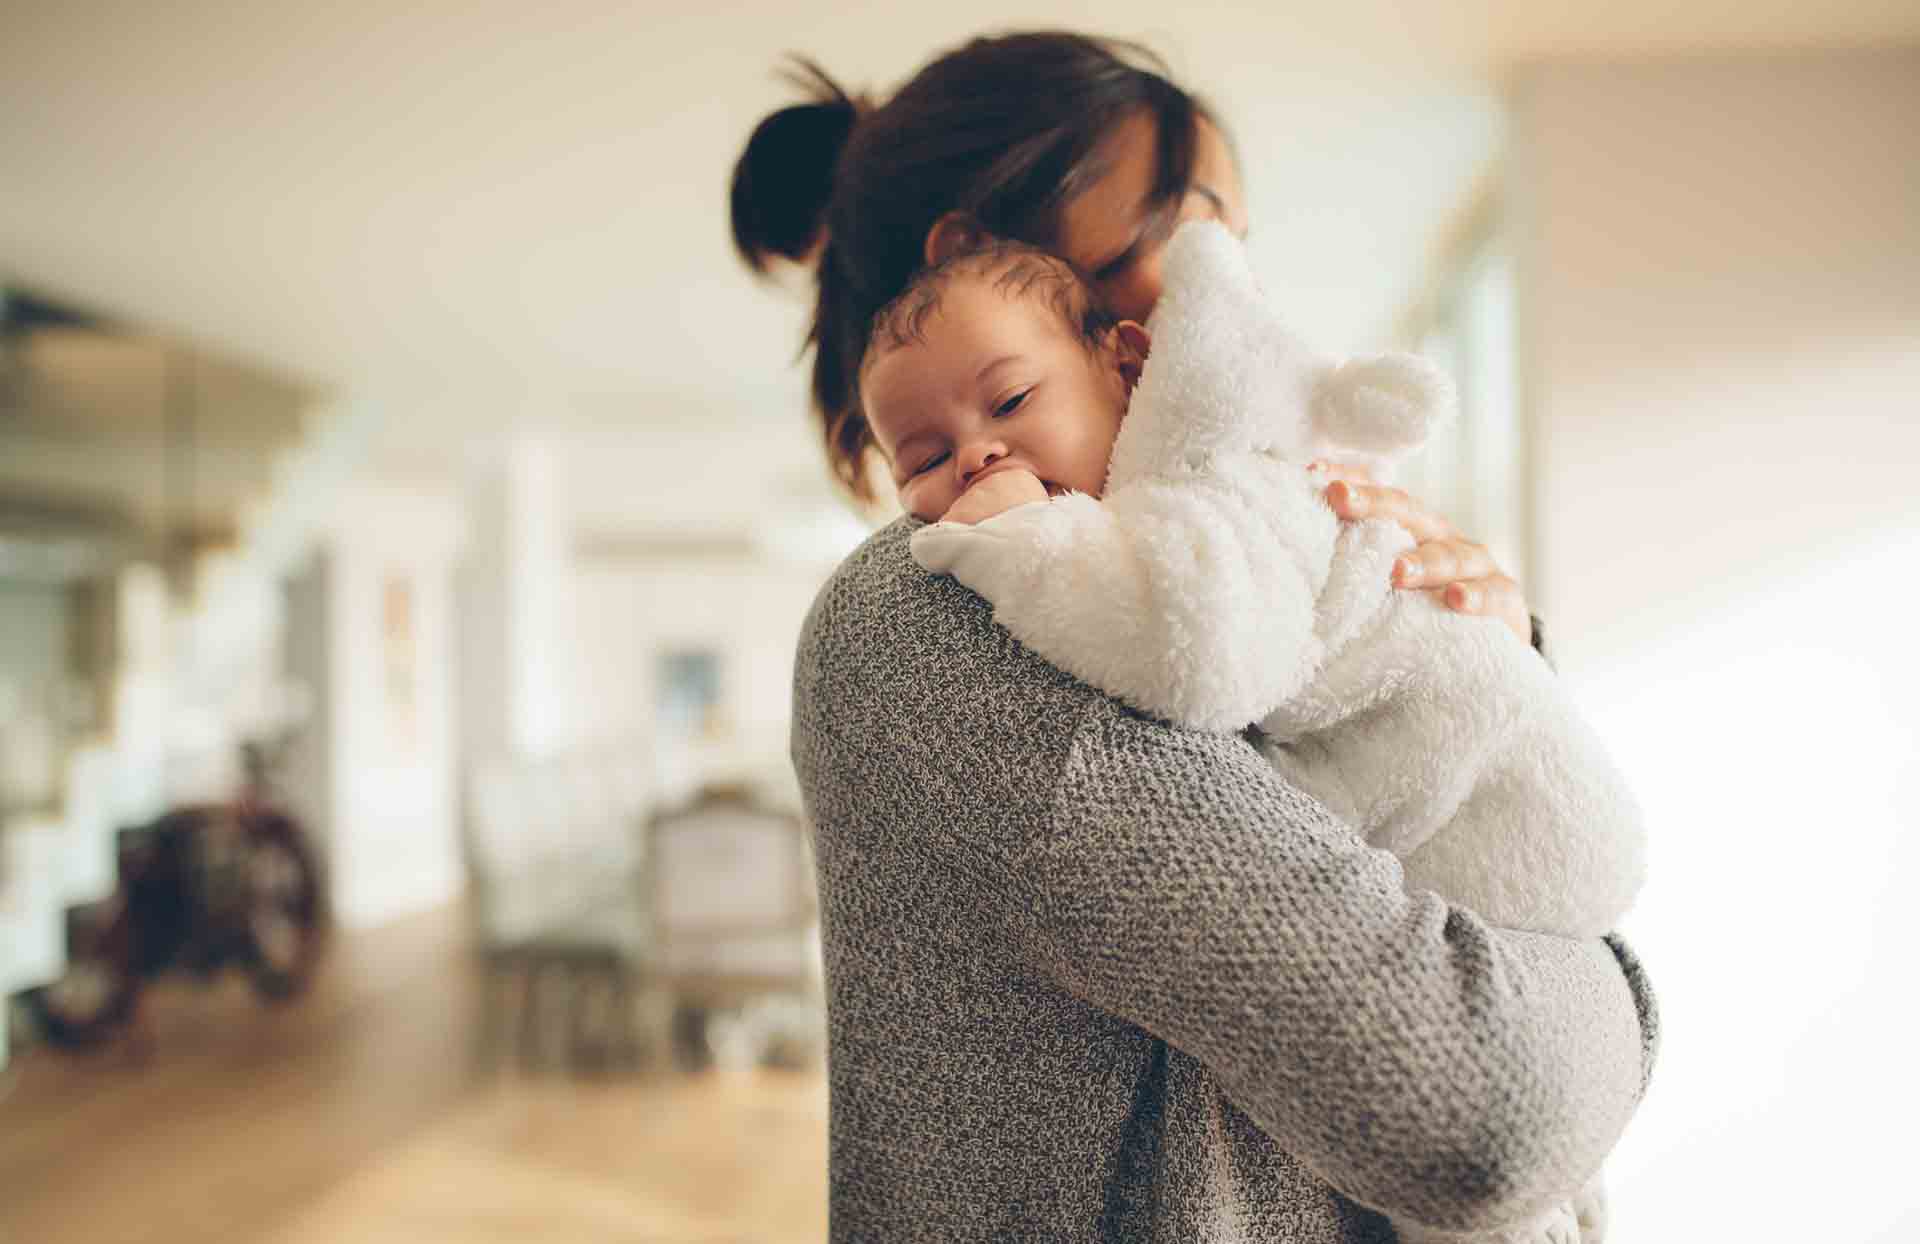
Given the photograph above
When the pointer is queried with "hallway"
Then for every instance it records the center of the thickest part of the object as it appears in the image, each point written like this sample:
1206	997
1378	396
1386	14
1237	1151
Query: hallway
359	1115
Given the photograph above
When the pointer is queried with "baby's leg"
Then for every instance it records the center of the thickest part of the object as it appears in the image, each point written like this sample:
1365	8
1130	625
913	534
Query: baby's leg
1548	839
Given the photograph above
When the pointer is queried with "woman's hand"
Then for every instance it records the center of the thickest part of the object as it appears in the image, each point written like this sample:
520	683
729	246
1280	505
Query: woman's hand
1442	561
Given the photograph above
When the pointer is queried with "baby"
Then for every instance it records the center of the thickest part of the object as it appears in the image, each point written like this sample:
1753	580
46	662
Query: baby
1151	528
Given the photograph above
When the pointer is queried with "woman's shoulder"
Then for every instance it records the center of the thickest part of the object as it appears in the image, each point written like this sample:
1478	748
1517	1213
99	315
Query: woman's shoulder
903	667
889	644
848	602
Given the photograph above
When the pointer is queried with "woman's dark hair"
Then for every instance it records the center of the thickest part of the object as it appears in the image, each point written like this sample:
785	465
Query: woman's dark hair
784	178
1006	130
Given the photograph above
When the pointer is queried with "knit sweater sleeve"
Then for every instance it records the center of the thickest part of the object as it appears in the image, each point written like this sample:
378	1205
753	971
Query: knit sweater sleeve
1419	1060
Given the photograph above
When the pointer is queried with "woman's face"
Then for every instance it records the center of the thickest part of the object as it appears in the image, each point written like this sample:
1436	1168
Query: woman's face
1103	230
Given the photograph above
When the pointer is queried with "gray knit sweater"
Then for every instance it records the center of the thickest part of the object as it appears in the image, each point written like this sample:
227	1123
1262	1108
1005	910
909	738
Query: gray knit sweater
1091	977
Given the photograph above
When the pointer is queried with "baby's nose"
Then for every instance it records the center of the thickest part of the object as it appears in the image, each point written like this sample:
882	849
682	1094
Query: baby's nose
978	457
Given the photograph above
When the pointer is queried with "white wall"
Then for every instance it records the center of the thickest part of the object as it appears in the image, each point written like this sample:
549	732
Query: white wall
749	610
590	557
393	843
1720	288
515	663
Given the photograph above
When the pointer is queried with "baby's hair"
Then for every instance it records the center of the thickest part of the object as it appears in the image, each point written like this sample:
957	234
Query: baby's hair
1018	271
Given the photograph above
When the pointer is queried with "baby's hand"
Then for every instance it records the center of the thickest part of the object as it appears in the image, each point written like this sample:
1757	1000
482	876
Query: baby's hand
996	494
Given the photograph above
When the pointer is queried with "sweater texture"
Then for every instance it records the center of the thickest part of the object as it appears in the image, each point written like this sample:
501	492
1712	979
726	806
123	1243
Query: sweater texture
1092	977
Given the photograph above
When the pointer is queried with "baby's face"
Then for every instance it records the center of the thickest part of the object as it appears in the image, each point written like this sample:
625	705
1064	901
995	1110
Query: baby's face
997	382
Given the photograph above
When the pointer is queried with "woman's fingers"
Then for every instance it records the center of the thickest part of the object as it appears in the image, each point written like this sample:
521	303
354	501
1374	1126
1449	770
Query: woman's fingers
1495	596
1356	501
1440	562
1467	580
1463	574
1352	472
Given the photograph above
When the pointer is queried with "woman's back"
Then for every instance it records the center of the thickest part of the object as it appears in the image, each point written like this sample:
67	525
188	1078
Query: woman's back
1091	977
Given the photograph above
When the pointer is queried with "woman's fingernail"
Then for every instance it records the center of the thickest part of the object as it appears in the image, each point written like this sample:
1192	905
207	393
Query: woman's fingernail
1464	599
1405	571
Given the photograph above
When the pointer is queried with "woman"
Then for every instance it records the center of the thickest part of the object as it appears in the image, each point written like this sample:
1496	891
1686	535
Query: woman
1091	976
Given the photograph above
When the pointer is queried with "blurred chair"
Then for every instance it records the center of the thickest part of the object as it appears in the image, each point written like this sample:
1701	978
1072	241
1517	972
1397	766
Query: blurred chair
560	909
589	909
734	918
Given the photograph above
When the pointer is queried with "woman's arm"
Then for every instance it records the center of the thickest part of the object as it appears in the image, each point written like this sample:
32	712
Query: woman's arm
1419	1060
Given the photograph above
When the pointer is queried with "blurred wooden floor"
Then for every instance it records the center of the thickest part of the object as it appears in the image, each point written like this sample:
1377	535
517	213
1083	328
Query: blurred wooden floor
357	1115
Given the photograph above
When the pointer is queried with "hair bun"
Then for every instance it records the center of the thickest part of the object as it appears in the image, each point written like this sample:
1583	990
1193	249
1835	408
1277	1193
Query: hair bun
784	179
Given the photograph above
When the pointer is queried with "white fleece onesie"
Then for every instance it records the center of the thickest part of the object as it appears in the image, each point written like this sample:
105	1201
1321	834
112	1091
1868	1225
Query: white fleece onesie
1213	587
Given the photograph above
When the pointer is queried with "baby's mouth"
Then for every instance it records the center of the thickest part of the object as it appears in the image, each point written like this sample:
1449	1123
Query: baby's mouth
990	471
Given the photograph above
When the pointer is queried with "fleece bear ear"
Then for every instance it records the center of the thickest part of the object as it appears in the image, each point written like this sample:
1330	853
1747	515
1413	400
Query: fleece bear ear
1204	261
1383	406
1225	374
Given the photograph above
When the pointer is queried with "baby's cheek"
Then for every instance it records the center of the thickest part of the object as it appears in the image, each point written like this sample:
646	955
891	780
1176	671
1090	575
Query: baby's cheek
923	504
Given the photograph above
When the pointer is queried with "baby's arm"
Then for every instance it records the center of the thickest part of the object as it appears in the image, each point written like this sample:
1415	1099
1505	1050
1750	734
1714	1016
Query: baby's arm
1187	600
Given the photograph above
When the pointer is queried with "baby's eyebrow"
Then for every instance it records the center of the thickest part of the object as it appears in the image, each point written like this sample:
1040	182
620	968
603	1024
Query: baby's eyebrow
980	376
914	436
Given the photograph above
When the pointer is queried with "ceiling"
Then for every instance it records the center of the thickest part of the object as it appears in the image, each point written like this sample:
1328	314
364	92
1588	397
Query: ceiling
491	217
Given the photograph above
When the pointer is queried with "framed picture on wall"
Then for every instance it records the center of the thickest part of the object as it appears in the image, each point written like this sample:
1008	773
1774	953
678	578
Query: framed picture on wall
399	664
689	705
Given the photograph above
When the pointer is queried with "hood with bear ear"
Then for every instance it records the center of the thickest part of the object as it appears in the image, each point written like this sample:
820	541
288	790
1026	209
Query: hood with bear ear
1380	408
1228	376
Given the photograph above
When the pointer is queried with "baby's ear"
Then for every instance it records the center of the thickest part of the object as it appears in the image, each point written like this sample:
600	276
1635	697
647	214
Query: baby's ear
950	235
1130	342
